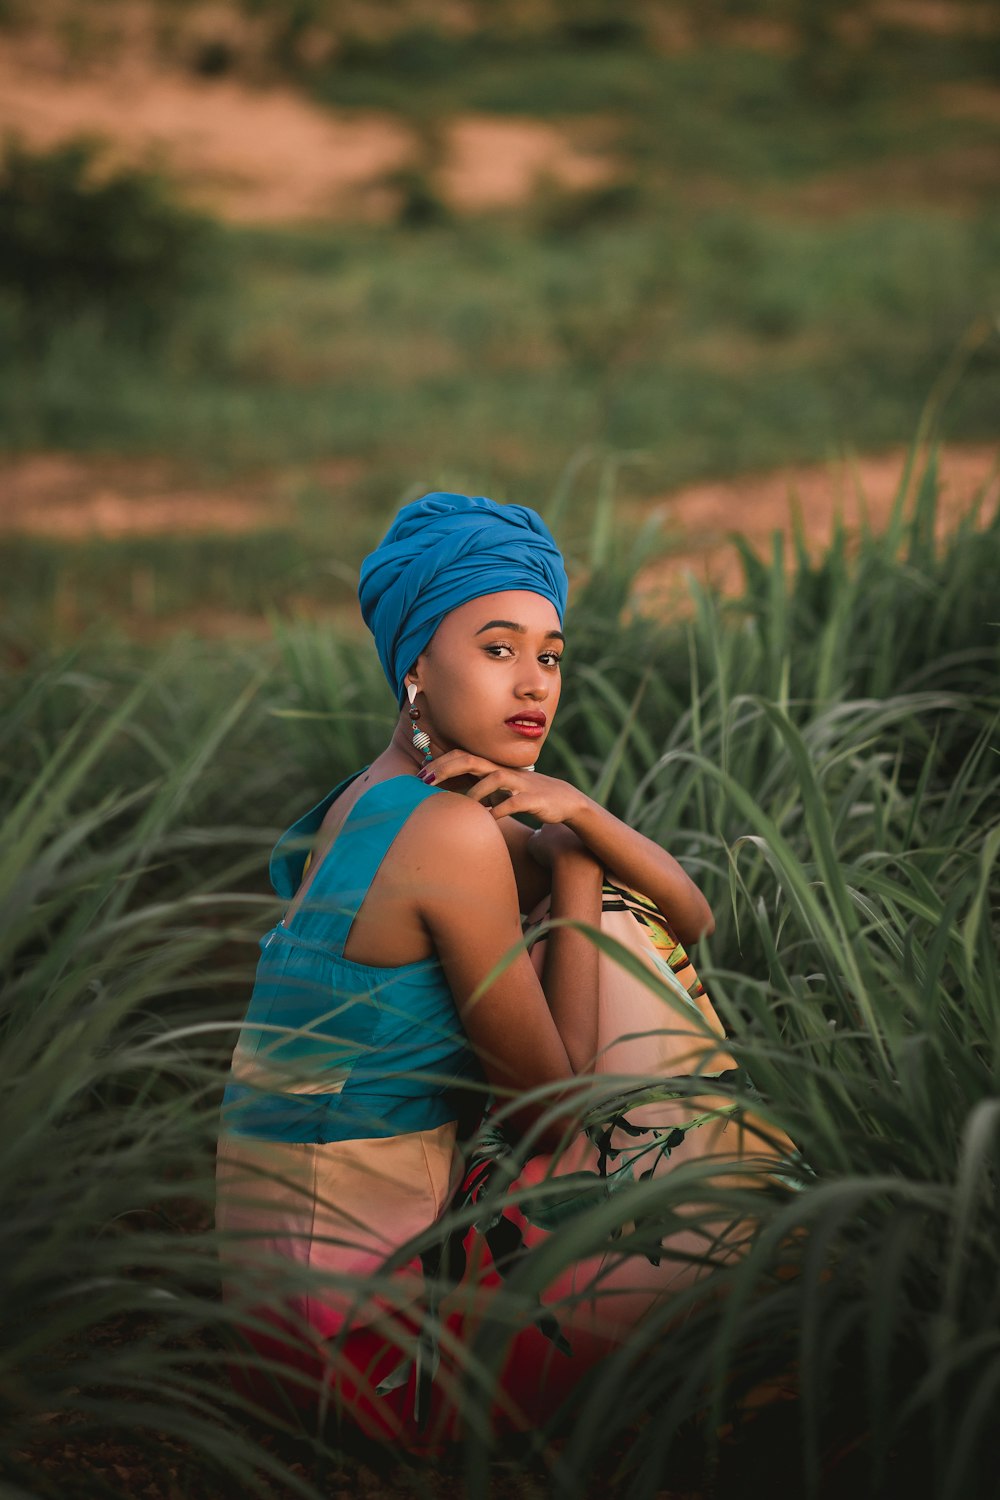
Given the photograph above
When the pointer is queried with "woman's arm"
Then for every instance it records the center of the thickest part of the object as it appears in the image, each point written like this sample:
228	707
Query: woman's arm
639	862
526	1033
534	879
627	855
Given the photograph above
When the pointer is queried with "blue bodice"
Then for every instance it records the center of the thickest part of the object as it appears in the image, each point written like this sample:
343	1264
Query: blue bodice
332	1050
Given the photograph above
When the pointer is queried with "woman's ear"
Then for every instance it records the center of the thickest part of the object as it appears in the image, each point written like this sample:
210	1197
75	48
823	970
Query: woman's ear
413	676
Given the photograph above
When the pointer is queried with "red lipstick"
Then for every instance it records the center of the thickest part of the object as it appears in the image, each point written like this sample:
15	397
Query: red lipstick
530	723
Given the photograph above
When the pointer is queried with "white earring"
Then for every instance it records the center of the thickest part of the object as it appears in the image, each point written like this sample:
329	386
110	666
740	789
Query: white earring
411	691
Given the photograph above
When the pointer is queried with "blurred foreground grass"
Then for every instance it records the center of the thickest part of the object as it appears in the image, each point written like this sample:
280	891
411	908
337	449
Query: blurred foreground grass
821	752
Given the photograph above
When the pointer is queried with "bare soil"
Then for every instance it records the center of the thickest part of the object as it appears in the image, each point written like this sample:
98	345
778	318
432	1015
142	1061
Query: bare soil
269	155
702	519
67	497
940	17
71	497
499	162
257	153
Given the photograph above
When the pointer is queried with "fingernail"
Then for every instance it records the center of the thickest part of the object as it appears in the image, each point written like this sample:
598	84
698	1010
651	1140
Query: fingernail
426	775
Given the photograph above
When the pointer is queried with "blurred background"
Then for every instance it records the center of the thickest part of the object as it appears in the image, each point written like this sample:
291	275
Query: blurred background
270	267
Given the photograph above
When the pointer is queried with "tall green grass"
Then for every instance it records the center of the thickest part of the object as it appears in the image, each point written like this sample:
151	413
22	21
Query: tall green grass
108	924
821	752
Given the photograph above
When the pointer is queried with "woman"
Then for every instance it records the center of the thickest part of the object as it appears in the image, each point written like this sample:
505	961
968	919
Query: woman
398	989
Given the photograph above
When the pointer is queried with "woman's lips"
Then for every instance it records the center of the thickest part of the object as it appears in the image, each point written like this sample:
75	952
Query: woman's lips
530	727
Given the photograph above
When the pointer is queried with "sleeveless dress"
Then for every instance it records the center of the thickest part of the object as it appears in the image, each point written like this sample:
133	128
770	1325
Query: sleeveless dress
340	1146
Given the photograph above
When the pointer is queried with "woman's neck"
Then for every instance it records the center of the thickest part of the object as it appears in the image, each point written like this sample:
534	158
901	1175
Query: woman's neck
399	757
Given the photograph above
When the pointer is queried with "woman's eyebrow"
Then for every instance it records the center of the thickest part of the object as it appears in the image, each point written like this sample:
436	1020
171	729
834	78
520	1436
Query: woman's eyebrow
550	635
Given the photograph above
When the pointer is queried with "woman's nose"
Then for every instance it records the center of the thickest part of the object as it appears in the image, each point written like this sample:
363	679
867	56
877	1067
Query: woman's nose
534	684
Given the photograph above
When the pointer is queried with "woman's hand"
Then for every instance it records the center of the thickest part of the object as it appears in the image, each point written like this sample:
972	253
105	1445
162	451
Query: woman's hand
628	856
544	797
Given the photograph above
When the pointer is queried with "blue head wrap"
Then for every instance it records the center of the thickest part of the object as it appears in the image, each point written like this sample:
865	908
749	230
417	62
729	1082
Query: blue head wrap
441	552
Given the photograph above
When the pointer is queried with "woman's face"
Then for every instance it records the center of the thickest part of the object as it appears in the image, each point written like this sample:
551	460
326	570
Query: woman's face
491	663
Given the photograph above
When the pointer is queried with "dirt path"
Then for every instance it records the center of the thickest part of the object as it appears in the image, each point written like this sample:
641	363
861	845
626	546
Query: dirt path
266	155
702	517
270	155
71	497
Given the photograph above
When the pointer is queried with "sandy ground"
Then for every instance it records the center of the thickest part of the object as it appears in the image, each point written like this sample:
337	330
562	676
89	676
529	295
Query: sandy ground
252	155
71	497
269	155
493	163
264	155
701	519
940	17
60	495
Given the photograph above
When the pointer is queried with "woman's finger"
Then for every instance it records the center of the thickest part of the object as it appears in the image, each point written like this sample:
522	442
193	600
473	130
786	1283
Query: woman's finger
495	781
454	763
512	803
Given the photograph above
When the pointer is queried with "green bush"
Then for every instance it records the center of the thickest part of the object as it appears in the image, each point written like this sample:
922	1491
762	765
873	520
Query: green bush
80	242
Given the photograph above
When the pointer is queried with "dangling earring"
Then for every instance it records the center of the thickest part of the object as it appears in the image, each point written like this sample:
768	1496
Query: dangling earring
421	739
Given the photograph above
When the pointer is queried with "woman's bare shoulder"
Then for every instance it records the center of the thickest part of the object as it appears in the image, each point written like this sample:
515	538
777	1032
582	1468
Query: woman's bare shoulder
459	837
455	816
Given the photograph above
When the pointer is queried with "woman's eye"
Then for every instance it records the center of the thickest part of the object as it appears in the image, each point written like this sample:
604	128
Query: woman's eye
550	658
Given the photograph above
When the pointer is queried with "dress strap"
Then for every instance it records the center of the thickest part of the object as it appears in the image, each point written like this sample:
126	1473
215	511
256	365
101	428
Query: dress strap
351	863
288	857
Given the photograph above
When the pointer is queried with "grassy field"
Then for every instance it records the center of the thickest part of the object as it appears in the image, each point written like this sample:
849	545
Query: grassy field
713	341
779	269
482	359
820	752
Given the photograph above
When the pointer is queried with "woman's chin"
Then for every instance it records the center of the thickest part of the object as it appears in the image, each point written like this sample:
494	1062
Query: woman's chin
512	757
520	759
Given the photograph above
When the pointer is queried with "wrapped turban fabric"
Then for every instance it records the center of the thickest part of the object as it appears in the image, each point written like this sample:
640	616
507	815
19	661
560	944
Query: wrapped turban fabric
440	552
